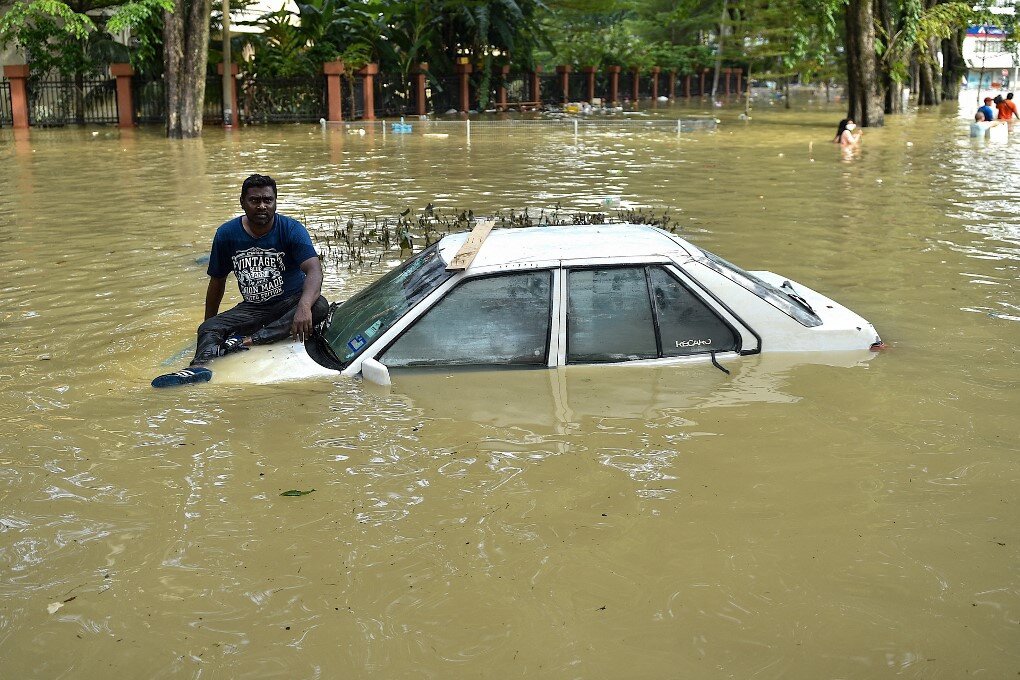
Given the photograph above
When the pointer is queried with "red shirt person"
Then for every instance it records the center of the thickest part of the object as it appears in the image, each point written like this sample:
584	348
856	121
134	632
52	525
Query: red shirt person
1007	108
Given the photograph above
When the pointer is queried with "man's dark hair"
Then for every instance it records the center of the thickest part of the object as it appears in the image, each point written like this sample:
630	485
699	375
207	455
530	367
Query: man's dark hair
257	182
1009	95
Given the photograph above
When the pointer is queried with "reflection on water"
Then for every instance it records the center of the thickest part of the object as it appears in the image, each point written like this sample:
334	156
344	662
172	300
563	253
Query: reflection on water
850	518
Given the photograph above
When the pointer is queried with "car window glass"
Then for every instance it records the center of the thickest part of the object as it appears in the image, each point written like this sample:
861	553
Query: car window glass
497	320
609	315
686	325
354	324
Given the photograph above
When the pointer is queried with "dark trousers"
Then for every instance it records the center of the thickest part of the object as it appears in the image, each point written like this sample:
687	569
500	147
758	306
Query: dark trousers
265	323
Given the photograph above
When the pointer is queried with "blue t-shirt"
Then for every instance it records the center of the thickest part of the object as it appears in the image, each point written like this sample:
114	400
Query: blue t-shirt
987	111
266	268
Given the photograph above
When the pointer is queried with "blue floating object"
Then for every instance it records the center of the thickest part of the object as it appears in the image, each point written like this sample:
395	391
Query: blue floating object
401	127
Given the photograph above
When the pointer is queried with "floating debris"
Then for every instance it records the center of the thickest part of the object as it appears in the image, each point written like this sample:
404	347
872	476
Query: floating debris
295	492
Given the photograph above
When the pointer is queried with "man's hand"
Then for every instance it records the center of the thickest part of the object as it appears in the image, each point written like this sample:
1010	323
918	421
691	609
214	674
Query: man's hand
302	327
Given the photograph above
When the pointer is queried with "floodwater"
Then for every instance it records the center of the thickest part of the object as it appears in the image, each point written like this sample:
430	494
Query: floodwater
789	520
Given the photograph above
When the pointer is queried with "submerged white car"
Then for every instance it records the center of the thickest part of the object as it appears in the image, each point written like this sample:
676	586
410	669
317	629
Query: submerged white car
555	296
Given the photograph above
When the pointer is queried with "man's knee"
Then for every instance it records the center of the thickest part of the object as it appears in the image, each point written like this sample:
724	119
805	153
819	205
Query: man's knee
209	325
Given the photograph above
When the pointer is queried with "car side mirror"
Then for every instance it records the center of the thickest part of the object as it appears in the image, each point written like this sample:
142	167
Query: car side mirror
375	372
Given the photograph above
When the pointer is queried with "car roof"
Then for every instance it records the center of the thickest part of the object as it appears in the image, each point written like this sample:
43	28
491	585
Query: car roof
571	242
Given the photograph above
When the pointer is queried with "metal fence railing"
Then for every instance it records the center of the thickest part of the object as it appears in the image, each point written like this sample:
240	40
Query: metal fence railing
94	101
394	96
577	87
285	100
353	96
509	128
68	102
444	95
517	89
212	107
6	114
149	99
645	85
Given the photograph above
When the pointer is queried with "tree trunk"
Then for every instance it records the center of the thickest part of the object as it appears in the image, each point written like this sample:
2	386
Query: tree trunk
953	66
929	86
892	89
865	92
185	59
719	51
747	91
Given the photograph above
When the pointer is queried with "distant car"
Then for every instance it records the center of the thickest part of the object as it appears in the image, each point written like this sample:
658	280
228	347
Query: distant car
554	296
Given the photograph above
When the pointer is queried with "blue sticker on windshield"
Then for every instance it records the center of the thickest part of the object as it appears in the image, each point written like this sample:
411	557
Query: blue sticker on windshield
356	343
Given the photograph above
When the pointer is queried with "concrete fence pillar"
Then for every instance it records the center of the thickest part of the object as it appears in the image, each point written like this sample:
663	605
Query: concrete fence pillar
738	74
420	103
726	80
17	75
502	73
368	72
672	84
536	86
704	74
589	72
334	100
125	102
614	84
655	82
564	72
235	114
687	86
464	75
635	85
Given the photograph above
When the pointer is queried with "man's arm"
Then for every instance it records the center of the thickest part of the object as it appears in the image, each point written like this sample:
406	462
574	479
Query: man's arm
214	296
302	327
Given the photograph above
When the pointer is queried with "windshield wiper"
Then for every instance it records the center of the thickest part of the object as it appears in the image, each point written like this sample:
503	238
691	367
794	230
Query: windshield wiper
794	295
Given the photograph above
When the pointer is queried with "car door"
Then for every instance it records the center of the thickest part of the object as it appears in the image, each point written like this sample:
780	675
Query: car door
638	312
500	319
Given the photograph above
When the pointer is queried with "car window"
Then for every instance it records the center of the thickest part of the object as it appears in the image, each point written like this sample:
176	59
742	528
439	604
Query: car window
686	324
353	325
496	320
609	316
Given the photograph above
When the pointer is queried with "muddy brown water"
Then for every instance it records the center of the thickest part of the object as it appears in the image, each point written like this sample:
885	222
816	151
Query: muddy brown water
790	520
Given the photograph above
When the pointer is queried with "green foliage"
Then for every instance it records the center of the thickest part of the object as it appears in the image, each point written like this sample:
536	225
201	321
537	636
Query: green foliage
131	14
397	34
58	39
915	26
682	58
586	36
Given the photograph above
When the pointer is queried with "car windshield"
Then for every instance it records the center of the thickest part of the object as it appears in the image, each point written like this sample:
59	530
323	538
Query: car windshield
354	324
791	305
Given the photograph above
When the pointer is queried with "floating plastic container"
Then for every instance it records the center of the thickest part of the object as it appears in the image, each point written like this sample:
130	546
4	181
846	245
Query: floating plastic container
400	128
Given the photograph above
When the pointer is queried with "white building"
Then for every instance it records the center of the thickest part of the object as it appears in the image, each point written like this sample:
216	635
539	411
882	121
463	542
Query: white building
990	65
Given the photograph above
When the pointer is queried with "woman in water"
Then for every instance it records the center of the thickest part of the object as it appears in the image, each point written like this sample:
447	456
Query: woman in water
845	133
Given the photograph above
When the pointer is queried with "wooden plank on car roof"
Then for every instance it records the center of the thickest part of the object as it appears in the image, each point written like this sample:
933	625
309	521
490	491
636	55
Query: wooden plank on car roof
466	255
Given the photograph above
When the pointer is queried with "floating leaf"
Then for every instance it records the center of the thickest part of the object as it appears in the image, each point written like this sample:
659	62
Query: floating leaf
295	492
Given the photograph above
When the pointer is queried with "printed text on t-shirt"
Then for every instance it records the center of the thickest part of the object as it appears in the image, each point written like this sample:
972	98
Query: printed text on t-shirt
259	274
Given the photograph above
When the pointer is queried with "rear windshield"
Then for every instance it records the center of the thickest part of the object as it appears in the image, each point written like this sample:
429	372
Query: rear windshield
766	291
354	324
